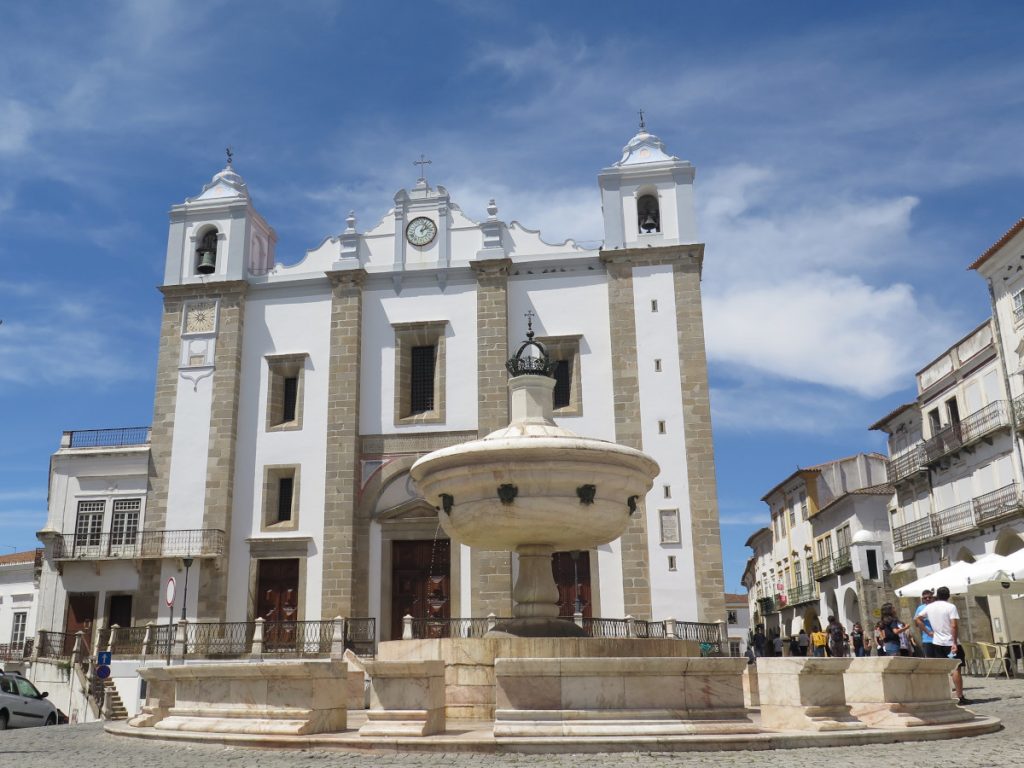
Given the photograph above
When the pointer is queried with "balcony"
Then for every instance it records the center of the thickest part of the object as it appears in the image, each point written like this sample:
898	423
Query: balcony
105	438
143	545
908	463
766	605
982	510
805	593
967	431
1018	411
836	563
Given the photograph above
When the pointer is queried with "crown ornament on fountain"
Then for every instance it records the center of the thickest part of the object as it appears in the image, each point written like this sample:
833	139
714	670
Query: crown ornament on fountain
531	358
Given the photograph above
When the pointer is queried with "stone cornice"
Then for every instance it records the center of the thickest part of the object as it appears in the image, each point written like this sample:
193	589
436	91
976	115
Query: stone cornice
191	290
491	267
347	278
688	255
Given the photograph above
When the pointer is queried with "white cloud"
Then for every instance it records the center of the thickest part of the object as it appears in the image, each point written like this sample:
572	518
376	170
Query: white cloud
15	127
774	406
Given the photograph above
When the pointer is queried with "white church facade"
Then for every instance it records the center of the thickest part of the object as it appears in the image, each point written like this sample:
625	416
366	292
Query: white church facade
291	401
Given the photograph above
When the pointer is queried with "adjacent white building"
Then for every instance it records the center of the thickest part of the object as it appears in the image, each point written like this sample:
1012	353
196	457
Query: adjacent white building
292	399
19	575
826	550
737	612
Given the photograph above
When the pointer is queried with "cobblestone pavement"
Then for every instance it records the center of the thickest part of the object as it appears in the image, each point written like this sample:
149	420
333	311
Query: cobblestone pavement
88	745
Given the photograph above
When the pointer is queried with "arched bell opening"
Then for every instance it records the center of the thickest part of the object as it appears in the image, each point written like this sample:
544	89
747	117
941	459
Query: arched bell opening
648	213
206	252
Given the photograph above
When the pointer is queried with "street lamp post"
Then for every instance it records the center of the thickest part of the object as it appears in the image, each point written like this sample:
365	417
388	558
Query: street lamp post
187	562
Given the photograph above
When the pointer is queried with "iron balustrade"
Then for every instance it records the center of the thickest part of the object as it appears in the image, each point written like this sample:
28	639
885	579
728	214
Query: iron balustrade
805	593
361	636
766	605
961	518
108	438
55	645
997	504
16	651
140	545
299	638
1018	410
836	563
447	628
908	463
953	520
968	430
219	639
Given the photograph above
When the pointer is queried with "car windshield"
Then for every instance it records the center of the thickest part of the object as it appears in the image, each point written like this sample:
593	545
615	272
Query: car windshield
25	688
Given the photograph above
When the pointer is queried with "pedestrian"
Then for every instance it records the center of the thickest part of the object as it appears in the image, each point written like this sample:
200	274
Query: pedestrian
818	641
892	628
777	644
805	641
879	639
794	645
926	630
857	639
945	623
759	639
836	637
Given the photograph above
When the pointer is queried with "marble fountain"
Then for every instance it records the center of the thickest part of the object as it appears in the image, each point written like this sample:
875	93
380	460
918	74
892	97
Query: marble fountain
533	683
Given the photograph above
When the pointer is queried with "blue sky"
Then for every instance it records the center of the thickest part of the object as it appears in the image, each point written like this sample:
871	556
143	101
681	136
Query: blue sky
850	164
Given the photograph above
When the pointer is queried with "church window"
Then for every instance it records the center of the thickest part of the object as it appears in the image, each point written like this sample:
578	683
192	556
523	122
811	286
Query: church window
672	563
654	305
420	372
206	253
661	428
648	214
421	380
280	497
657	366
564	352
285	379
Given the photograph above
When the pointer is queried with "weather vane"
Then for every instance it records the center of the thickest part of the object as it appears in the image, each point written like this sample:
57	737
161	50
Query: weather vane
422	163
230	154
529	323
643	125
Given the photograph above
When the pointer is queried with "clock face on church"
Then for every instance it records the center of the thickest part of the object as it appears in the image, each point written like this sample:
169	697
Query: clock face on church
420	231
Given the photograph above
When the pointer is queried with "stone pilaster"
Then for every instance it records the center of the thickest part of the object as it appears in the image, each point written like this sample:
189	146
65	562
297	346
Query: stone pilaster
147	596
220	466
346	529
700	451
491	569
636	575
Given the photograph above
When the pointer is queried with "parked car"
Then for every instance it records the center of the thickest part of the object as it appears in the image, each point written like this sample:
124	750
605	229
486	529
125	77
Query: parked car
22	705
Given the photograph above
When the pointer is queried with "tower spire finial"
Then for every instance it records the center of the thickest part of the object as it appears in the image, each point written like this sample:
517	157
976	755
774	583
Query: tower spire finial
529	324
422	163
230	154
643	124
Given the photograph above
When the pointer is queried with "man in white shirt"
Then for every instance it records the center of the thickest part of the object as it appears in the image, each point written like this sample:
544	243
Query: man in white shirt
944	619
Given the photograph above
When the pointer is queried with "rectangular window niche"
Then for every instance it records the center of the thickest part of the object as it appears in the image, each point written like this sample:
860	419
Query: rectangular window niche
413	342
670	533
280	498
564	351
285	384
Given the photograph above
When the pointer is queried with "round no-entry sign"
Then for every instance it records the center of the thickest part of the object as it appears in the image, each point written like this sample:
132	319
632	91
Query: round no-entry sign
169	592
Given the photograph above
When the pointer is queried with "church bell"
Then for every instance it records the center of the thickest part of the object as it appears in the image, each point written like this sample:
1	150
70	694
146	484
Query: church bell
649	223
207	262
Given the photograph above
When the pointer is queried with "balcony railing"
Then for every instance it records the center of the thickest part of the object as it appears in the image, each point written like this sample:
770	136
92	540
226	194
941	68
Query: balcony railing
982	510
805	593
1018	410
766	605
908	463
141	545
836	563
16	651
967	431
106	438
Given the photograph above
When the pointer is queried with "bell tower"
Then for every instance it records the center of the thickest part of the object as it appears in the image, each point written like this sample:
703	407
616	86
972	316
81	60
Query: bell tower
647	196
218	235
